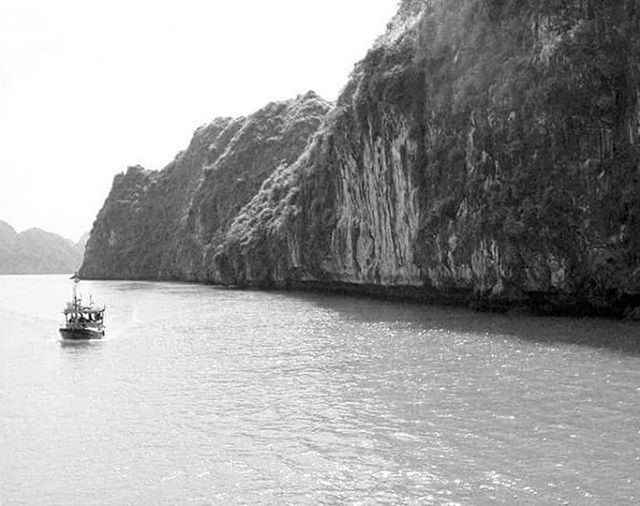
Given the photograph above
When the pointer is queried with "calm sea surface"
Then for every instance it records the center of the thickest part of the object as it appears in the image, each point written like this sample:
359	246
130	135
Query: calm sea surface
203	395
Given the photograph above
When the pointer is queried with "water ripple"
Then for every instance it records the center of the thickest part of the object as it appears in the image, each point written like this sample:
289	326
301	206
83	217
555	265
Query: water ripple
201	395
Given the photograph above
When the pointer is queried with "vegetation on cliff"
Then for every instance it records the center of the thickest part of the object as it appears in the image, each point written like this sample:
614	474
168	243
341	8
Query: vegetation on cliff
504	137
484	151
536	149
159	224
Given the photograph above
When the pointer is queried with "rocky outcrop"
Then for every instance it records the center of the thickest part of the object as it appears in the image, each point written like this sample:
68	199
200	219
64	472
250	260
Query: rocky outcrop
484	152
159	224
35	251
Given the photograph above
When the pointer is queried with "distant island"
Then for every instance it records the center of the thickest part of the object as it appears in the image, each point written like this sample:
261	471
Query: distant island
35	251
482	153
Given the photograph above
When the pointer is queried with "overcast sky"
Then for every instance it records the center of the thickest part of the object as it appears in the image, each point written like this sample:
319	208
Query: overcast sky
89	87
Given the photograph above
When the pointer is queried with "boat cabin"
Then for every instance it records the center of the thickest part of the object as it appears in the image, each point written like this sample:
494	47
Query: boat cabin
82	321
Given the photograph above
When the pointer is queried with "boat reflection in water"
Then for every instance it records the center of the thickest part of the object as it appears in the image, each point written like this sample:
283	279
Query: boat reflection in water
82	321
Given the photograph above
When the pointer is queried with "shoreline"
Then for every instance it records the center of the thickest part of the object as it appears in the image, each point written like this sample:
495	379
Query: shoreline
530	304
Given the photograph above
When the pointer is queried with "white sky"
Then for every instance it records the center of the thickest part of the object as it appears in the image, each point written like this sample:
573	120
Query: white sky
89	87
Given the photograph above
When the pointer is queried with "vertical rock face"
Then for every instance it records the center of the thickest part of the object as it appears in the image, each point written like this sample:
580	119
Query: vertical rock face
158	225
482	150
348	210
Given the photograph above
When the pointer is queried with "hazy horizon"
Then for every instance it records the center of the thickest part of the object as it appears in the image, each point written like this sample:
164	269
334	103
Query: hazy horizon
87	90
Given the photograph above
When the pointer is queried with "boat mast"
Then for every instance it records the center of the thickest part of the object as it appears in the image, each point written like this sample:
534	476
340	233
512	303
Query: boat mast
76	280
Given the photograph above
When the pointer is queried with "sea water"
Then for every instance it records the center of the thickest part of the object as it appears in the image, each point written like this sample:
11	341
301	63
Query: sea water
202	395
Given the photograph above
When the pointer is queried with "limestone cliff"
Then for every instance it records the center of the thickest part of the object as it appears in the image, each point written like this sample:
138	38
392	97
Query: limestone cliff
158	224
484	151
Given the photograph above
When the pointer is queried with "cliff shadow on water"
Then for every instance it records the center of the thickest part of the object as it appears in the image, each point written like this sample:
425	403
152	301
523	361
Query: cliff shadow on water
484	153
465	325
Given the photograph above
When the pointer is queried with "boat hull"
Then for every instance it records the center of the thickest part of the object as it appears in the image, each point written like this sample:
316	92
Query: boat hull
81	334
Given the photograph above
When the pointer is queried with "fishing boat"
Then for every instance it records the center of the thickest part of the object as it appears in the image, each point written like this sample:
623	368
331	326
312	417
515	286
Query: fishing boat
82	321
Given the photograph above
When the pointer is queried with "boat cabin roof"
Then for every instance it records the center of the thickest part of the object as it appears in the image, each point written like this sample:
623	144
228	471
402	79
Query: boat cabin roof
85	310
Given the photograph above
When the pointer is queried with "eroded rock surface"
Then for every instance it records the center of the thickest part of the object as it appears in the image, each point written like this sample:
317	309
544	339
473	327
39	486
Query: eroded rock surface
486	152
158	224
482	152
